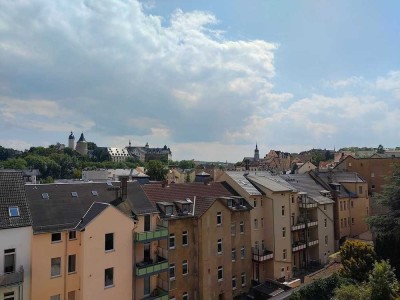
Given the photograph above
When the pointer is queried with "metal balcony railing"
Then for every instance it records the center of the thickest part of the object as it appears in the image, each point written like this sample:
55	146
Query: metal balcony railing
299	245
12	278
157	294
261	254
150	267
161	232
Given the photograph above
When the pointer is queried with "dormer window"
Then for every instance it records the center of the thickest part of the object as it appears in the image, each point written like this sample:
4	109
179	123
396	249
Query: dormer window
185	208
45	196
168	210
95	193
13	211
230	202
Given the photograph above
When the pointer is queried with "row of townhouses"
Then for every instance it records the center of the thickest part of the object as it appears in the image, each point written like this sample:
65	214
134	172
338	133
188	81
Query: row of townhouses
123	240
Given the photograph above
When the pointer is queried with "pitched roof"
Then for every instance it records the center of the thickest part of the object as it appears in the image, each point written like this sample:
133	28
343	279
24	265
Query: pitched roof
94	210
63	211
12	194
273	183
242	181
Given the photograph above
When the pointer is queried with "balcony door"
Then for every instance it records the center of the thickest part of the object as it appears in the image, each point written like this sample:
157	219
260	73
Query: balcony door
147	223
146	253
146	286
9	261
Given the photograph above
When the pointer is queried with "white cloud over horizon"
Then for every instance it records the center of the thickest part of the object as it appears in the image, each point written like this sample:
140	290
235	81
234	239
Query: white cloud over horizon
119	72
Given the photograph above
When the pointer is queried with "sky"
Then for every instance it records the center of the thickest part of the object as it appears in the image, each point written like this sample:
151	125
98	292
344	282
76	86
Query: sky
209	79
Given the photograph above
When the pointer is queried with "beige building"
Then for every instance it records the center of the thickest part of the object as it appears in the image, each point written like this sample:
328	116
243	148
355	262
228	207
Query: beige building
209	242
287	223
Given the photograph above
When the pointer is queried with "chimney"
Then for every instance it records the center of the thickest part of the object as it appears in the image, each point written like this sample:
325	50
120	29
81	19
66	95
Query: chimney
124	186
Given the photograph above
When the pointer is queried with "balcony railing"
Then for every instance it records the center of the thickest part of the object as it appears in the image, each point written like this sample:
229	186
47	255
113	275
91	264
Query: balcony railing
150	267
12	278
298	226
157	294
308	205
312	223
313	243
299	245
261	254
161	232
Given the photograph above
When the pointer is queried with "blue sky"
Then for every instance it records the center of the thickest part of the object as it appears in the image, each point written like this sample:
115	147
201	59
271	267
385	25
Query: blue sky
207	78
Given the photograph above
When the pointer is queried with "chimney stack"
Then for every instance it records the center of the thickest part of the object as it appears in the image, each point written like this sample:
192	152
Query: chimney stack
124	186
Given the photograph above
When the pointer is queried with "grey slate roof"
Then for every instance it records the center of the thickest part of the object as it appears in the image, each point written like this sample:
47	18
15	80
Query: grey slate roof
241	180
62	211
273	183
94	210
12	194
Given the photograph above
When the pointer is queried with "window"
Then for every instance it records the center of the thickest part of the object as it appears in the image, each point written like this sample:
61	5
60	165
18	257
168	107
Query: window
219	246
147	223
146	286
171	271
185	267
373	186
233	282
185	238
71	295
262	222
292	218
55	297
71	263
109	277
233	228
360	189
324	206
325	223
283	210
241	227
95	193
185	296
56	266
233	254
283	231
56	237
74	194
255	223
13	211
220	273
344	205
255	203
261	202
284	254
292	199
341	223
256	245
168	210
109	242
372	174
345	222
341	205
229	202
9	296
72	235
243	279
262	245
242	253
9	260
326	240
172	241
352	221
352	204
219	218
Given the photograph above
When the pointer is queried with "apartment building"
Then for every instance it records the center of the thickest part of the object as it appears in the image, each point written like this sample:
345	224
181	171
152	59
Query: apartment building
15	238
352	203
87	241
289	219
209	240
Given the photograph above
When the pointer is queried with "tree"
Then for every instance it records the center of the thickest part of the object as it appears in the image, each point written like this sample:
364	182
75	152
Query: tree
352	291
14	163
186	164
357	259
383	282
316	158
156	170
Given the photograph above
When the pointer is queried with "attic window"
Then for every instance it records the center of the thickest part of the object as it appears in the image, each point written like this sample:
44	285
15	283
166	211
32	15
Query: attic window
229	202
45	196
13	211
95	193
185	208
168	210
109	183
74	194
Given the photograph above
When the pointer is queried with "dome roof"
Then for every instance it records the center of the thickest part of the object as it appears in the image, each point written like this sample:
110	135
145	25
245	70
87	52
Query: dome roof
71	136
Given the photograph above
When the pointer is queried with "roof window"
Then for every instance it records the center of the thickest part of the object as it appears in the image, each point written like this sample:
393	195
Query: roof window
45	196
13	211
95	193
74	194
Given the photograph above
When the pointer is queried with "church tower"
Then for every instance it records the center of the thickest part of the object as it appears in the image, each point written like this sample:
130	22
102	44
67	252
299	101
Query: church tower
256	154
71	141
81	146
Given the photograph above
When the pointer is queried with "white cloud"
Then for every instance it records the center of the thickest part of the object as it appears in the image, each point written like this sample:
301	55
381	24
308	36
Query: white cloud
391	83
343	83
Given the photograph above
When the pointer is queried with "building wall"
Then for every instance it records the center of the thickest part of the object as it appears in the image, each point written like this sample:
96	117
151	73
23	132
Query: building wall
43	250
325	248
20	240
96	259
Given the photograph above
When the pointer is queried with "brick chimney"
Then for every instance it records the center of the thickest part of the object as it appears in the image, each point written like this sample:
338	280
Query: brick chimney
124	186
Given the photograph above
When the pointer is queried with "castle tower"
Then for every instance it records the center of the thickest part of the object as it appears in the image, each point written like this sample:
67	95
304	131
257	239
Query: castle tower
71	141
256	154
81	146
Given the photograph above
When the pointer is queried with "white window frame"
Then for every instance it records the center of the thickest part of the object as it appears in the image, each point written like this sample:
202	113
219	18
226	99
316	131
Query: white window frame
171	238
220	269
185	263
219	218
185	234
219	246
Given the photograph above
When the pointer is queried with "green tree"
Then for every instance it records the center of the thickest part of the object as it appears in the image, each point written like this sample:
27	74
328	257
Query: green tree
186	164
316	158
357	259
383	282
15	163
156	170
352	292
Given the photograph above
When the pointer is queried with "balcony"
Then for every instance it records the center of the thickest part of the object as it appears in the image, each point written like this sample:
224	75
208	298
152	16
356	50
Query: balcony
161	232
157	294
12	278
150	267
298	226
299	245
261	254
308	205
313	243
312	223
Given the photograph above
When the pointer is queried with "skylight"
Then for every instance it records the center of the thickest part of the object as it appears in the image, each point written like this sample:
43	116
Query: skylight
74	194
45	196
95	193
13	211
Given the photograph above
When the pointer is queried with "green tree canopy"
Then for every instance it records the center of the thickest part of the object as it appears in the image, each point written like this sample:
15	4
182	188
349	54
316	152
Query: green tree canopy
357	260
156	170
352	292
383	282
